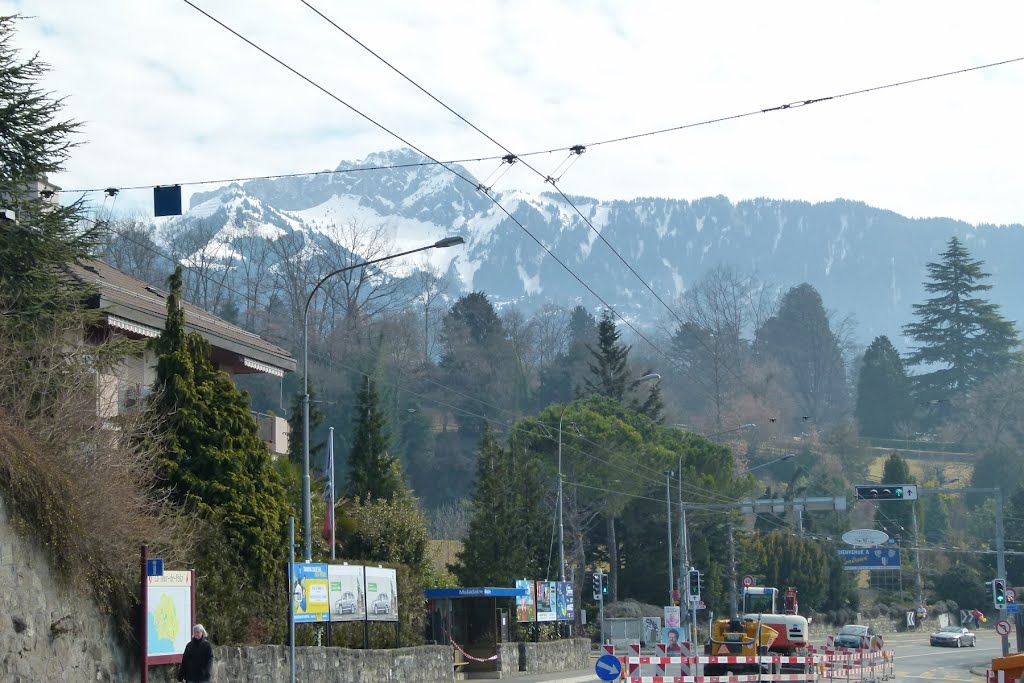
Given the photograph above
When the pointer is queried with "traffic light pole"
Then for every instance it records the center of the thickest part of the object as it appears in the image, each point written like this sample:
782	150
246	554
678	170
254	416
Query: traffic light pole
918	583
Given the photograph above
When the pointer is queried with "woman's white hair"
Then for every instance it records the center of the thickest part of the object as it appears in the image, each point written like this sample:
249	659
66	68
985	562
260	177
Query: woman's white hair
201	628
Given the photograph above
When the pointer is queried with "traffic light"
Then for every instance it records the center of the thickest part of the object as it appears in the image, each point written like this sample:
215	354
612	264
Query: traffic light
604	586
999	592
887	492
695	584
598	582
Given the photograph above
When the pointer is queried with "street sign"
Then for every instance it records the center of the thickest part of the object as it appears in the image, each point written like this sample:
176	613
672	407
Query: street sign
701	605
609	668
154	567
1011	595
1013	608
1003	627
748	581
675	595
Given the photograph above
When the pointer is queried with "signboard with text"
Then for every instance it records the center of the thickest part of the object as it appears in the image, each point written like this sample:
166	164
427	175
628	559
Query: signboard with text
346	592
859	559
170	613
381	594
310	592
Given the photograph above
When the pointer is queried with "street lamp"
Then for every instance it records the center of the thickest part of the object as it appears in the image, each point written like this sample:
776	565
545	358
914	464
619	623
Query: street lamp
561	527
787	456
306	513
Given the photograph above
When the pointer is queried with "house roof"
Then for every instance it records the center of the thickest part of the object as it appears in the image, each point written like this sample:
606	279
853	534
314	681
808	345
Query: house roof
134	306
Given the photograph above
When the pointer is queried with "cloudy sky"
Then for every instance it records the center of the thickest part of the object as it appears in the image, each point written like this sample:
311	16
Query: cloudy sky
168	96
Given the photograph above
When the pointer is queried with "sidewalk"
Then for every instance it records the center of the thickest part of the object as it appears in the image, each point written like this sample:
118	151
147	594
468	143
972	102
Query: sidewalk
578	676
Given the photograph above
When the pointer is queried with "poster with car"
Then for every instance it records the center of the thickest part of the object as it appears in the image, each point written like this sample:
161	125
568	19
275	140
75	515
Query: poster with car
381	594
346	590
526	606
309	592
547	600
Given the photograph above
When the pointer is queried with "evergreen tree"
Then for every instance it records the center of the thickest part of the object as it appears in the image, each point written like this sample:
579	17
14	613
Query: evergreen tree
610	374
883	391
964	337
372	473
212	455
43	235
508	534
800	337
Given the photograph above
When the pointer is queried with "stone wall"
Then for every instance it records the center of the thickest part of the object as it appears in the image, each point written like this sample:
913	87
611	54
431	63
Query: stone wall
46	633
549	657
270	664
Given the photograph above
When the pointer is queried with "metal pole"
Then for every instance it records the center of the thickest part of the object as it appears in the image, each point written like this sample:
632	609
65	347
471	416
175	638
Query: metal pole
291	597
601	605
306	514
668	507
330	466
918	585
1001	559
561	525
684	563
733	598
143	619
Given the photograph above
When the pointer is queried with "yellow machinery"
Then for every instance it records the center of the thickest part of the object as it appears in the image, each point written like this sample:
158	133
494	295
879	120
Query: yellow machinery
733	638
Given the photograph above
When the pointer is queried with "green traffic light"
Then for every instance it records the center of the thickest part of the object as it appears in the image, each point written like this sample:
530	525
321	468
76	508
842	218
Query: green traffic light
899	493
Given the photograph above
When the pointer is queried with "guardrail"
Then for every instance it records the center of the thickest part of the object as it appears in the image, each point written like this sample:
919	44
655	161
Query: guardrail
819	664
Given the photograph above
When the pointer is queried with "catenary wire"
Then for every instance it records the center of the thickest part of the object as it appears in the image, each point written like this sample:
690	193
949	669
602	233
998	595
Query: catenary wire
456	173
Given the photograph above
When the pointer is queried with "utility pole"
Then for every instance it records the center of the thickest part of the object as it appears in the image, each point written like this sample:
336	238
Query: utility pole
733	598
684	564
1001	559
668	507
918	584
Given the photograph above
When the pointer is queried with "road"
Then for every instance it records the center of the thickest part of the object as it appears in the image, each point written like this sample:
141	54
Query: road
917	661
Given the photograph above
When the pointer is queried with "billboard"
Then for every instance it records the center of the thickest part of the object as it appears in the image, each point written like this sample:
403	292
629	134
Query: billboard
858	559
381	594
346	592
310	592
547	600
565	608
526	606
170	613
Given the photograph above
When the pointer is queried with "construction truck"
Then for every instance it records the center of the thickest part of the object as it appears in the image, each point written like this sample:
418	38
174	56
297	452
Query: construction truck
760	605
735	638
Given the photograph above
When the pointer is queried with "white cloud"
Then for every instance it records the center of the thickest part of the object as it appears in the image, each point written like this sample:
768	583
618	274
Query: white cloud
168	96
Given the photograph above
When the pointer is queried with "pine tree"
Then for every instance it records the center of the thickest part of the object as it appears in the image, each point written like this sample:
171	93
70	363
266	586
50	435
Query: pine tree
212	455
372	473
610	366
965	338
508	533
883	391
43	236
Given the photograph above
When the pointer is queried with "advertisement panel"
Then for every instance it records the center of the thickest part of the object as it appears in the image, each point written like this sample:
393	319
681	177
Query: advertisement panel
170	614
672	617
310	592
526	606
381	594
547	600
859	559
346	591
565	609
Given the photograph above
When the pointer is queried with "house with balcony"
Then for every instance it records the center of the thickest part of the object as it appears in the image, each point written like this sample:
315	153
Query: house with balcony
134	309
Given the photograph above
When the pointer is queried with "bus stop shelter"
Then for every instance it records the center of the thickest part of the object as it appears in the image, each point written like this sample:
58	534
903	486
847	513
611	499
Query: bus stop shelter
473	620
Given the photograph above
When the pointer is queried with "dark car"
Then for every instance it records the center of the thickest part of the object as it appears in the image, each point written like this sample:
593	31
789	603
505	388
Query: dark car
953	636
854	636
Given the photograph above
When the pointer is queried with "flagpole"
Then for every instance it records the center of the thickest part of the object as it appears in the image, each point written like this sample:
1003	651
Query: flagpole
330	449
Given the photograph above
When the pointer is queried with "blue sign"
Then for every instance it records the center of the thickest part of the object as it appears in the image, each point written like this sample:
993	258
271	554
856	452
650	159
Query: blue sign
482	592
1012	608
858	559
608	667
154	567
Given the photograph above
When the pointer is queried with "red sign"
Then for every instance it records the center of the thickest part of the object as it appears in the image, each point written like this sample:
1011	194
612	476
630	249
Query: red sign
1011	595
748	581
1003	627
675	595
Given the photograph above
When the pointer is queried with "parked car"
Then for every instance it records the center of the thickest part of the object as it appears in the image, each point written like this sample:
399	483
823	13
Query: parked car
346	604
382	605
853	636
953	636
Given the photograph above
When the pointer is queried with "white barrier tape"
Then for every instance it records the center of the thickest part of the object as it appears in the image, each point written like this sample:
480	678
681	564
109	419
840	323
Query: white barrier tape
743	678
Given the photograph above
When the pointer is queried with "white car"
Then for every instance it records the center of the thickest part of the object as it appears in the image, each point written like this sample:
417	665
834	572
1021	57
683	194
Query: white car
953	636
382	605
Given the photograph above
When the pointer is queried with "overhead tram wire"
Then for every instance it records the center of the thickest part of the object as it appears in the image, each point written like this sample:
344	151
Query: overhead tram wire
784	107
549	178
456	173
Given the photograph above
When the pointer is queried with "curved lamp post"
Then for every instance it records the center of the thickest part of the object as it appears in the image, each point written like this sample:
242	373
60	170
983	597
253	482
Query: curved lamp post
306	513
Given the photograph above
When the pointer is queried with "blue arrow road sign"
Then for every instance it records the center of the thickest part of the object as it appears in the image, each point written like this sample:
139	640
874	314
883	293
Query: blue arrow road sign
154	567
608	667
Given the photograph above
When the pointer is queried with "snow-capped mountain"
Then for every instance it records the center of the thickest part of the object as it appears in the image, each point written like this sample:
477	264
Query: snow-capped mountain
865	261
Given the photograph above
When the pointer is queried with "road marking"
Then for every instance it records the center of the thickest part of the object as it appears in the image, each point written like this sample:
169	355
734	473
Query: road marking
947	653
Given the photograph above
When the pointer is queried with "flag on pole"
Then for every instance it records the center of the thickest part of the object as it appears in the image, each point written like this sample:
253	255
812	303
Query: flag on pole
329	527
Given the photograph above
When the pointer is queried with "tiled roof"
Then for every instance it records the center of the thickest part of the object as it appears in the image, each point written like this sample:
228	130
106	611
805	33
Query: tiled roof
126	299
